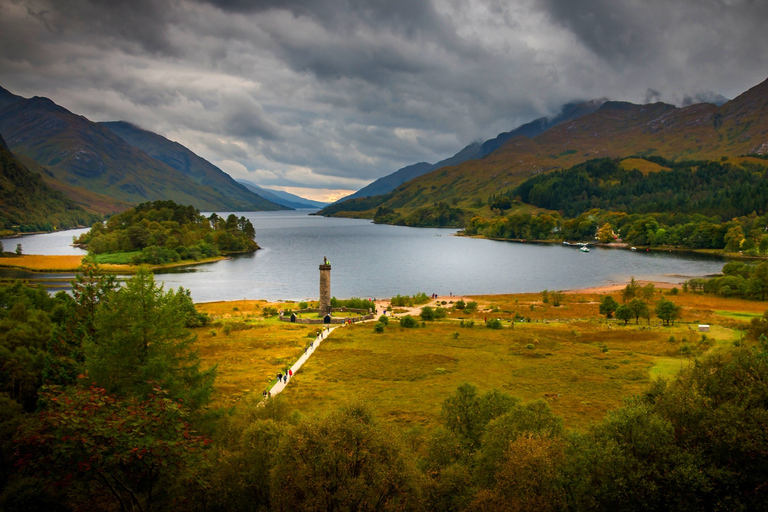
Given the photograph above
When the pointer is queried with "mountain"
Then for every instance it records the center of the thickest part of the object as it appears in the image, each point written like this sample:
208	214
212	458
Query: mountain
283	198
185	161
475	150
28	204
8	98
391	181
81	153
615	129
570	111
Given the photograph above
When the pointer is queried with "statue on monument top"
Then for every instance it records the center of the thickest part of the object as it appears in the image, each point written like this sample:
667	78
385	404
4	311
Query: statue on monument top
325	261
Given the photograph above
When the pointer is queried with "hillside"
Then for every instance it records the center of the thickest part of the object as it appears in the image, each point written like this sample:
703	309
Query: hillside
616	129
90	201
28	204
80	153
185	161
283	198
475	150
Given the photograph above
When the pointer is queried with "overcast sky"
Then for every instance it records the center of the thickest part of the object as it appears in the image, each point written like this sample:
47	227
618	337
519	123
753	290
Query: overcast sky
321	97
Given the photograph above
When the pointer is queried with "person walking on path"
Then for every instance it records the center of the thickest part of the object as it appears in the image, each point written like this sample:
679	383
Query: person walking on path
282	378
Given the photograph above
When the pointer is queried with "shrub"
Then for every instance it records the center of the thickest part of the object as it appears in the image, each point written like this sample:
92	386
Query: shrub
467	323
493	323
440	313
471	306
460	304
384	319
408	321
674	291
379	327
303	305
427	313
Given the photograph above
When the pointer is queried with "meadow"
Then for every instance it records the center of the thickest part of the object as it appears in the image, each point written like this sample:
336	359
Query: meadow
570	355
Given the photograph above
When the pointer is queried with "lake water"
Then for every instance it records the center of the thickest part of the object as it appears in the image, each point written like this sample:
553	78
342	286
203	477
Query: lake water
370	260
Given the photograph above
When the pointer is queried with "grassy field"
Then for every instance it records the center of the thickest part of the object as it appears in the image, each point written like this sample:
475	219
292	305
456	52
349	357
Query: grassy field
405	374
249	348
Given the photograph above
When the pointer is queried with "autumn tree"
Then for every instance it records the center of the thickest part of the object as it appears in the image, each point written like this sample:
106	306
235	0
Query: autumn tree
131	453
343	460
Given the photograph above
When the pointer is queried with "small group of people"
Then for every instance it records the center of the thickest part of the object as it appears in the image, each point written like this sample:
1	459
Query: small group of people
283	377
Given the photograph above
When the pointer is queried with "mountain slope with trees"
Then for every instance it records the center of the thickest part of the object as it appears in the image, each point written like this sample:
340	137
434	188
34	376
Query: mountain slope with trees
28	204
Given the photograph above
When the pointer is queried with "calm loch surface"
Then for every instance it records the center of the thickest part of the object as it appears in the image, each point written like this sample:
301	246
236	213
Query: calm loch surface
370	260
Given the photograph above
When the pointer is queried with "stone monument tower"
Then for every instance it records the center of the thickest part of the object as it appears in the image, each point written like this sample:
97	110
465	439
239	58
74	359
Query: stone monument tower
325	287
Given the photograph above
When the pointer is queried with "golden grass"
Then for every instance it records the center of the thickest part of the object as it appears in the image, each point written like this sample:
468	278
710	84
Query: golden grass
250	350
40	263
405	374
47	263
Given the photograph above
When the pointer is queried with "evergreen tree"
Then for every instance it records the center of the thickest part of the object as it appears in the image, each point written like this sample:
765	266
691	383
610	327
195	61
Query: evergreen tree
141	338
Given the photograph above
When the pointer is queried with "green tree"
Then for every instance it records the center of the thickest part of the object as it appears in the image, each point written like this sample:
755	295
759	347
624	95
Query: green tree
427	313
639	310
65	357
667	310
648	291
343	460
534	418
631	290
608	306
465	413
141	337
625	313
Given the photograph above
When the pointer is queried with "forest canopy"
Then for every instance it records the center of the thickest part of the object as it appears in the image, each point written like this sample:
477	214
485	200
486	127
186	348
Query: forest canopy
163	232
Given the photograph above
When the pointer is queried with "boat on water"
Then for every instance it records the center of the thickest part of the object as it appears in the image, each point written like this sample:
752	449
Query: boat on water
633	248
584	248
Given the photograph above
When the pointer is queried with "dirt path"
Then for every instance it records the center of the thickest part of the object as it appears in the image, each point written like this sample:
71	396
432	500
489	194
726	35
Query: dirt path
280	386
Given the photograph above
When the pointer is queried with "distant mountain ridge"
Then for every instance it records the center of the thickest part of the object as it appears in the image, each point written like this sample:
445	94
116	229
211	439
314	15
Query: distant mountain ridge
185	161
615	129
81	153
475	150
283	198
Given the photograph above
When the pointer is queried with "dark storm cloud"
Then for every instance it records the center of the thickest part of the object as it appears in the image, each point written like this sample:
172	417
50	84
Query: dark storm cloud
721	33
139	22
406	17
345	91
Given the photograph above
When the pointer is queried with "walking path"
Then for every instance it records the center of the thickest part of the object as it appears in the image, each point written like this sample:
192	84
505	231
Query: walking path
277	388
